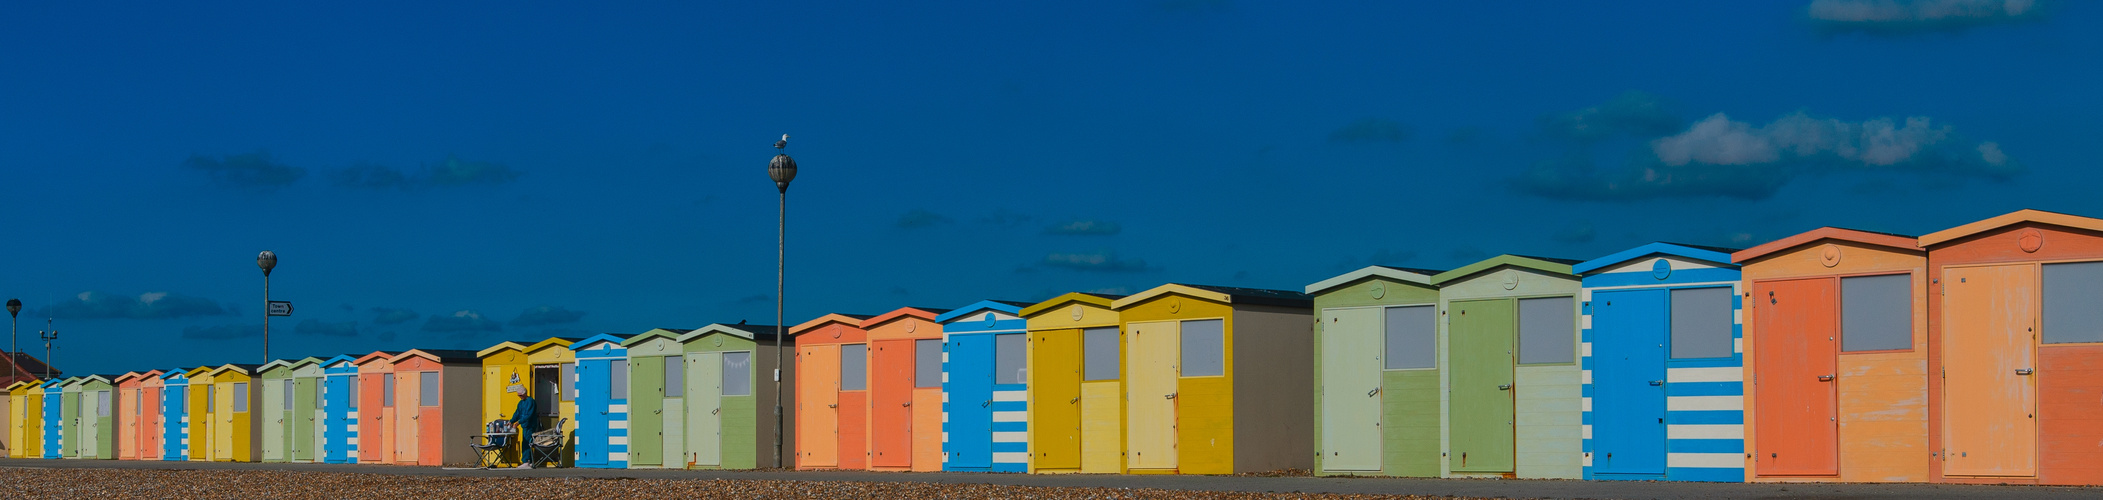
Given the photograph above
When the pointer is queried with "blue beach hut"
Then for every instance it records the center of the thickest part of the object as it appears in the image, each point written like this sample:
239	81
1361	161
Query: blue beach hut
985	403
339	409
55	418
1663	365
602	401
175	415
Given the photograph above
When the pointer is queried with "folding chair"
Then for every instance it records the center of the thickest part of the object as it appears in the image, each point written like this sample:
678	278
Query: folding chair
493	442
546	445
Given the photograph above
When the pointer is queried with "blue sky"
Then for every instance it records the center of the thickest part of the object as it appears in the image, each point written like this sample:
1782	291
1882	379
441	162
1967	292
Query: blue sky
455	175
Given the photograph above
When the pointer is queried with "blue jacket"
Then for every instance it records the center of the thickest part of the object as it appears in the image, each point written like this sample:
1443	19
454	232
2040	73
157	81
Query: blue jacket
523	416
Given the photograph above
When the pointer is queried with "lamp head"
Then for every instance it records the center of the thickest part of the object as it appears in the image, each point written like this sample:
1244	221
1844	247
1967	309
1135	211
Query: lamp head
267	260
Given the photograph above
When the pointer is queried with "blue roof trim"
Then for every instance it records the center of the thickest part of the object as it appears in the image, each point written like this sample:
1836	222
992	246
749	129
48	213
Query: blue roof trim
1719	258
979	306
603	337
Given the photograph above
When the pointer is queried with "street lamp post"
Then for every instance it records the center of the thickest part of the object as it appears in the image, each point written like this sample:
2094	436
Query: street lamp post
267	260
782	169
14	347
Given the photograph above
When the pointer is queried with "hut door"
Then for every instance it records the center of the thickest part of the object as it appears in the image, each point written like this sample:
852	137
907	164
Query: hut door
704	396
311	419
1480	341
273	423
818	406
1152	370
1628	382
1055	381
405	417
1795	393
672	423
891	402
646	409
90	431
1350	389
970	390
1989	346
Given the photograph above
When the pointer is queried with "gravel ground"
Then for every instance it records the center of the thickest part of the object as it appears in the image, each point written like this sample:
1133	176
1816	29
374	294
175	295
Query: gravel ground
248	484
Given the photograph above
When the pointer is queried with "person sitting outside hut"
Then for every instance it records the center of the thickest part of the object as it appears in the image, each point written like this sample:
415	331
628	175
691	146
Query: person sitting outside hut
522	420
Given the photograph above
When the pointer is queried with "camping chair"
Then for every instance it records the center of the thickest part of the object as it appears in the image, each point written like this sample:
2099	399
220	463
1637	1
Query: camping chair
493	442
546	445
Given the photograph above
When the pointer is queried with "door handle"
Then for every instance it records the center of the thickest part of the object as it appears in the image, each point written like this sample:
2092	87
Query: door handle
1376	390
1825	378
988	402
1657	382
717	411
1505	387
2023	371
832	406
1171	395
907	404
1076	399
656	412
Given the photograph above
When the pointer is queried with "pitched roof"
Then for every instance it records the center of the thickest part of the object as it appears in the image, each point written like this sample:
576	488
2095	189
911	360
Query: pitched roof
853	320
439	355
245	368
1403	274
751	332
2012	218
1102	300
31	366
564	342
616	338
1225	294
669	333
1542	264
1717	255
926	313
1888	240
1005	306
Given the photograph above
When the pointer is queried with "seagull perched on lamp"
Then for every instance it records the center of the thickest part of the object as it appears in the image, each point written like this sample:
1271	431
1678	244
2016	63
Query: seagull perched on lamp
783	143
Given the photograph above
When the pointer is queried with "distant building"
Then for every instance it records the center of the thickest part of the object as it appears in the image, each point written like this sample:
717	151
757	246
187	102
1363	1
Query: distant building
30	370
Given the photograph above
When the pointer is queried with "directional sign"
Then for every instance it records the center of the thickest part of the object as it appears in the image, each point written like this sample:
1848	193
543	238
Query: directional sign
280	308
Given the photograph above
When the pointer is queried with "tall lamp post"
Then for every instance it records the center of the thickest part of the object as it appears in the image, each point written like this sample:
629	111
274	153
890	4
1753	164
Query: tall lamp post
782	169
267	260
14	347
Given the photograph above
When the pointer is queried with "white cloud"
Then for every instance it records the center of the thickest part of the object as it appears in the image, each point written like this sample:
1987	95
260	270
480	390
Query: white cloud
1899	17
1880	142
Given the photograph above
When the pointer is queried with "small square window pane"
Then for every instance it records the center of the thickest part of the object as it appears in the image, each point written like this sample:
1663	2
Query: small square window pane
1876	313
288	394
240	397
1100	346
387	391
1009	358
1412	337
102	403
1548	330
618	378
353	392
569	379
927	363
1701	322
674	377
854	367
737	374
2073	309
427	389
1204	348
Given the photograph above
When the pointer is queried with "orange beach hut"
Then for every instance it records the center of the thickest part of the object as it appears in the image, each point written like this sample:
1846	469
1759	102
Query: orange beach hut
2015	342
1836	357
905	390
437	405
832	392
376	386
138	418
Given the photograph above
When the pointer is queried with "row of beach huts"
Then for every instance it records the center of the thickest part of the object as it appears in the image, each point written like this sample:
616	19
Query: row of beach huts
1973	354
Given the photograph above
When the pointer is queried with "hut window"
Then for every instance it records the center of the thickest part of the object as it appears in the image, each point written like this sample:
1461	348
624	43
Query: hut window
619	378
353	399
854	367
1547	330
674	377
211	397
240	397
569	379
1008	359
102	403
1701	322
1876	313
1204	348
138	399
1100	345
288	394
426	395
181	402
386	391
1412	337
927	363
2070	310
737	374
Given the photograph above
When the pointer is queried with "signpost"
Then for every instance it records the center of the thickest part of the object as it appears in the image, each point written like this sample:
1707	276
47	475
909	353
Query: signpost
280	308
